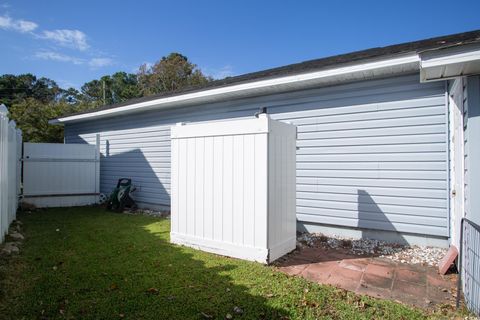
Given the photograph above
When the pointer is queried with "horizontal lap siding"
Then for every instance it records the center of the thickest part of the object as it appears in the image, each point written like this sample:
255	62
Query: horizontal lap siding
370	154
136	147
137	158
379	166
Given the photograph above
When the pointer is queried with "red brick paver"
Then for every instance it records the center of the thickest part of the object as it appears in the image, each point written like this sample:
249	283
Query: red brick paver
409	275
417	285
372	280
319	272
448	260
380	270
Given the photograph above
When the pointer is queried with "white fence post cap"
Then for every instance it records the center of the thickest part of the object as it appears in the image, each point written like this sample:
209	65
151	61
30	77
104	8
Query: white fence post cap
3	109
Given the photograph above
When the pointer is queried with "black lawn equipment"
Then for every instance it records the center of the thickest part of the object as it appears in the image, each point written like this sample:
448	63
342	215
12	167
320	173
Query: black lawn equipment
120	197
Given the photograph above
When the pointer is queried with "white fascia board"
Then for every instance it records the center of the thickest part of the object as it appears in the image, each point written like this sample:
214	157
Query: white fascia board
433	64
306	79
440	60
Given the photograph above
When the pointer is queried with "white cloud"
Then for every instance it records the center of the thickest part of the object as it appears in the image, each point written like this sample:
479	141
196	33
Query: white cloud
20	25
100	62
93	63
65	37
55	56
26	26
68	38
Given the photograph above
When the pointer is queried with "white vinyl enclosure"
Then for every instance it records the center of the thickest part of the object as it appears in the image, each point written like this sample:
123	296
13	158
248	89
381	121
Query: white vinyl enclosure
233	187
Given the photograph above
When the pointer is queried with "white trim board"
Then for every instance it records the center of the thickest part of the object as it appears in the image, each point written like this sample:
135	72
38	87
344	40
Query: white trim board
450	63
221	248
232	250
222	128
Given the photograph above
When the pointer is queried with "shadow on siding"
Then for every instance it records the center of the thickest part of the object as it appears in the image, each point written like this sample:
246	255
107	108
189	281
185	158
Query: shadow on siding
371	216
149	181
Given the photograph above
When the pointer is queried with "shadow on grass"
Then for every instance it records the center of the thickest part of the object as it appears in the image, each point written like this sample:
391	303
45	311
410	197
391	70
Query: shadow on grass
201	284
98	265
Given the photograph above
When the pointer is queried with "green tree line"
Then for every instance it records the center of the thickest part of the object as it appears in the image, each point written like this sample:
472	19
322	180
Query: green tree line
32	101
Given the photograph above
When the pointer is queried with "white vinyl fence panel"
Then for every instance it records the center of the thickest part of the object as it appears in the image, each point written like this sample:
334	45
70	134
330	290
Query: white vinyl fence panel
61	175
10	170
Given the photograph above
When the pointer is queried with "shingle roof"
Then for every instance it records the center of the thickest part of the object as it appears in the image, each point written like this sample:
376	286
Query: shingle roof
316	65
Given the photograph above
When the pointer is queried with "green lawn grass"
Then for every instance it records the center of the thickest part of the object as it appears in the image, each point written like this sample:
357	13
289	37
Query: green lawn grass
85	263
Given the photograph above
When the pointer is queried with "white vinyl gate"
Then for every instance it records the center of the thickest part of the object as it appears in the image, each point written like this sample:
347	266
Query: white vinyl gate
61	175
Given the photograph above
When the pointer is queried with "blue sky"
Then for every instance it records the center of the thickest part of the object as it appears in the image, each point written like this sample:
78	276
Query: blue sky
73	42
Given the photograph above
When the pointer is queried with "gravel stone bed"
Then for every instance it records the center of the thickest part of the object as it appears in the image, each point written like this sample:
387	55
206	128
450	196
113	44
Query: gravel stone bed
148	212
369	247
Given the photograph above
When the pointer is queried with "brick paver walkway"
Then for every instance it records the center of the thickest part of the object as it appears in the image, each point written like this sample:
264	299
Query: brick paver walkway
417	285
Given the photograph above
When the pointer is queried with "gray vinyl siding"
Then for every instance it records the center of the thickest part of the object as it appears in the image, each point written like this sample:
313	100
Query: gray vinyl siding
371	154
